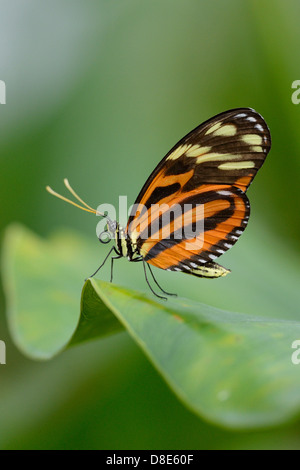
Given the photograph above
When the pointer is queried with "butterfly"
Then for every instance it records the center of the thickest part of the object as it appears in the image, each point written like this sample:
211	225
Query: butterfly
193	207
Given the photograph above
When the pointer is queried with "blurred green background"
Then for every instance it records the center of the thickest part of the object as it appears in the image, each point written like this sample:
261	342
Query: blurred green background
99	91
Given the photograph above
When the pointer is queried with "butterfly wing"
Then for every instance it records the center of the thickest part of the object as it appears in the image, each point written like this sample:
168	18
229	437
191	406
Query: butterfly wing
209	169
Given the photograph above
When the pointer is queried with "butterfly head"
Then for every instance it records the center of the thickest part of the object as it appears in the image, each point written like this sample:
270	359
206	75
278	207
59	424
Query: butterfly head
110	230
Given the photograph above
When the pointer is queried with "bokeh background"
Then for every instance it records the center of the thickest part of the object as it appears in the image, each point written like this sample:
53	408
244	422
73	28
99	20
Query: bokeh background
99	91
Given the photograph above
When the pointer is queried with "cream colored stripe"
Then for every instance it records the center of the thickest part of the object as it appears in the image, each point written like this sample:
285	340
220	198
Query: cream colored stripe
213	128
226	131
252	139
211	157
236	165
256	148
197	150
178	152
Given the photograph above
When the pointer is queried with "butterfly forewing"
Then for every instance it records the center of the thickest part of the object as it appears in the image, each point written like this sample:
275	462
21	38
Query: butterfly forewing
228	148
210	168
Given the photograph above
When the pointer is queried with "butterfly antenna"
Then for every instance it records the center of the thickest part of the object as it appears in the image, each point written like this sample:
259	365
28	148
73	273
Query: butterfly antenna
69	187
87	208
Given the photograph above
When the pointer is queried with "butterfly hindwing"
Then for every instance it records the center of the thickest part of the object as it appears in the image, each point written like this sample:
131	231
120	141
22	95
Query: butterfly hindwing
211	224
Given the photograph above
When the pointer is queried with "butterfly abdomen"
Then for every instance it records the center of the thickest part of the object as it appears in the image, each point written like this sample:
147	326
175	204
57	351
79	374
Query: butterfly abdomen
209	271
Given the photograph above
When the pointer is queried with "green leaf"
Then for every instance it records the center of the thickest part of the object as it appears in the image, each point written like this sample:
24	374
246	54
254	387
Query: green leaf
96	319
233	369
43	281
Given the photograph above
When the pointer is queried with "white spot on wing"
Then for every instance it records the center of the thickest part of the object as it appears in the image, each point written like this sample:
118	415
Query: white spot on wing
184	266
228	245
259	127
224	193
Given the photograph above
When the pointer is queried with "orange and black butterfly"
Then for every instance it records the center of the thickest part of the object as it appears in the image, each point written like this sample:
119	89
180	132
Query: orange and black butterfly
194	207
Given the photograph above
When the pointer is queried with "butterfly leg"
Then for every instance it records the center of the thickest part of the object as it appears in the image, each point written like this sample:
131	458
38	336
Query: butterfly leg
165	292
147	280
107	256
112	265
